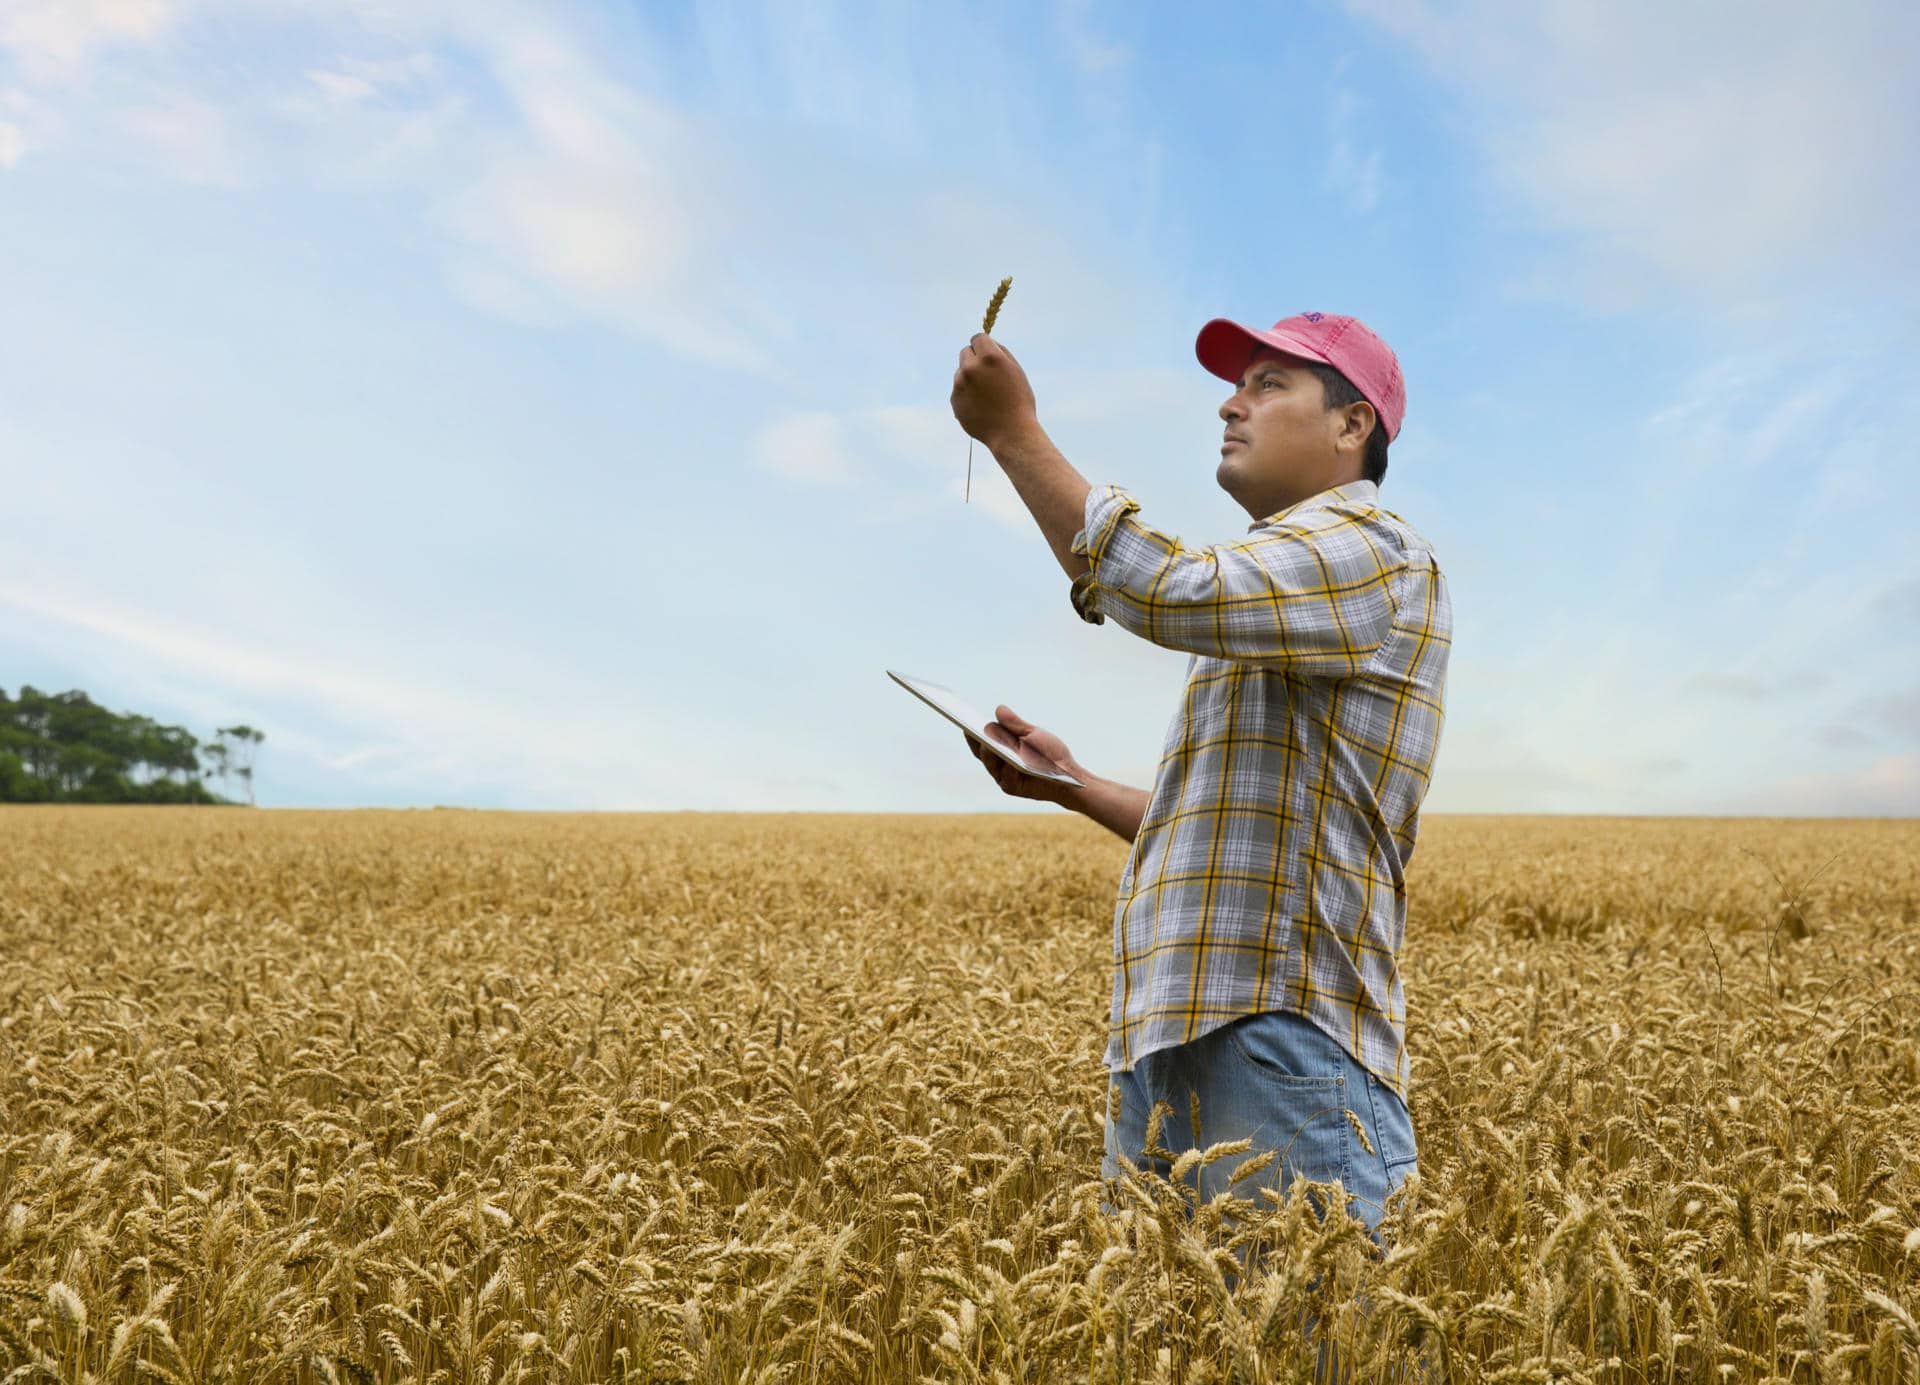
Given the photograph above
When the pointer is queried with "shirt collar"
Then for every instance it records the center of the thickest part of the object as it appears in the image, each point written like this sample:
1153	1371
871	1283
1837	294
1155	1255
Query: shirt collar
1361	492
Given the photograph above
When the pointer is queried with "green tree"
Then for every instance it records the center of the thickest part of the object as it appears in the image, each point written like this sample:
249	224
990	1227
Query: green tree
219	758
242	742
64	747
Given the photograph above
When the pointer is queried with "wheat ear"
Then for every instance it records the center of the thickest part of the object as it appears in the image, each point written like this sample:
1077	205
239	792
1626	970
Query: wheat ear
993	304
986	325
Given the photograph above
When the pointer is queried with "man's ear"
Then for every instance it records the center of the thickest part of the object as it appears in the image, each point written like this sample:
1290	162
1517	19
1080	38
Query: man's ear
1353	425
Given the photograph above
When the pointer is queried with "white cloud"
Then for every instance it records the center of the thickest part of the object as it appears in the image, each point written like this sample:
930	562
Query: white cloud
1719	150
485	284
341	86
928	437
51	39
353	80
608	237
1746	407
805	447
990	489
584	200
13	144
606	200
820	448
926	433
902	446
190	139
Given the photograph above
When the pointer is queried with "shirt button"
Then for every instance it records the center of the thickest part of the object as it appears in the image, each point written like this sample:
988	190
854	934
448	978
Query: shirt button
1339	1081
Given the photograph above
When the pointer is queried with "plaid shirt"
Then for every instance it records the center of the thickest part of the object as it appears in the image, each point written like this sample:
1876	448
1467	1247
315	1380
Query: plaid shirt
1269	869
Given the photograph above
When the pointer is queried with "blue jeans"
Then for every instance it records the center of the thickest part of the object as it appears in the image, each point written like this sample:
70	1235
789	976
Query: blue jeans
1278	1079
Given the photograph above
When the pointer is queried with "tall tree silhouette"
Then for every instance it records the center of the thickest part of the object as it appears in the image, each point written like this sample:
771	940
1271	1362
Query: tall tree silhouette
242	741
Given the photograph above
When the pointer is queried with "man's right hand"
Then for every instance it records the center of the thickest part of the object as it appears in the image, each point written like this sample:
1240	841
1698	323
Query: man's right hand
1036	747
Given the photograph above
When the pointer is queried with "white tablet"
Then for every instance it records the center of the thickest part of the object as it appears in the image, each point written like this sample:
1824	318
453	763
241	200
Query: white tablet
975	724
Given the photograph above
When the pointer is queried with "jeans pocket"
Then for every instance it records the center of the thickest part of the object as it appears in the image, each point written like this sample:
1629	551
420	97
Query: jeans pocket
1393	1130
1288	1050
1284	1084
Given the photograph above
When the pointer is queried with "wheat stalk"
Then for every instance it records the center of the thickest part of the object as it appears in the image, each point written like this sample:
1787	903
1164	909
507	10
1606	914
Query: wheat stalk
993	304
986	325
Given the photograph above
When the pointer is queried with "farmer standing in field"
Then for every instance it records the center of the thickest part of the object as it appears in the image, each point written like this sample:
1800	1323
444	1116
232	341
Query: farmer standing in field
1258	925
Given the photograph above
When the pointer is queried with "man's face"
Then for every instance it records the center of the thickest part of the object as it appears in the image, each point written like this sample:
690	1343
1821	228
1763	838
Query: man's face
1281	443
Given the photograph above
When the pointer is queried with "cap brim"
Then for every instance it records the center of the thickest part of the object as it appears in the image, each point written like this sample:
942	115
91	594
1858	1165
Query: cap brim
1224	347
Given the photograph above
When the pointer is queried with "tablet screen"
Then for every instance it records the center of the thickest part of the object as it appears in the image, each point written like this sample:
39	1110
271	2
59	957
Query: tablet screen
975	723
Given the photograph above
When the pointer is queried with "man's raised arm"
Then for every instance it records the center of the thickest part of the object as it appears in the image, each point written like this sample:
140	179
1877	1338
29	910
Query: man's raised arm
993	402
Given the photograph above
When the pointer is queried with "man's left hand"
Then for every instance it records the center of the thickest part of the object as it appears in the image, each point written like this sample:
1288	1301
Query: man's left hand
991	397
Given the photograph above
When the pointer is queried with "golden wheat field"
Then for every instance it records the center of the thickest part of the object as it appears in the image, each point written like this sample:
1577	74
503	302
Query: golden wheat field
449	1096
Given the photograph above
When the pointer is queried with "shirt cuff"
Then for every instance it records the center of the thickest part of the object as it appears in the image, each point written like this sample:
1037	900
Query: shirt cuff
1106	507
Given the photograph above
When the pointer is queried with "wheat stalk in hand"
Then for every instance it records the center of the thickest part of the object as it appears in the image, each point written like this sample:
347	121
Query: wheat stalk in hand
993	304
986	325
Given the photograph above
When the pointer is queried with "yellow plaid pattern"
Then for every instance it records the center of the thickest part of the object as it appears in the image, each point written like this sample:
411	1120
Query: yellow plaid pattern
1269	870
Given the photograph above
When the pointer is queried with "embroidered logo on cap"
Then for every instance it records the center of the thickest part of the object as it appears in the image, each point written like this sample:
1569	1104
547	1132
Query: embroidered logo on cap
1313	317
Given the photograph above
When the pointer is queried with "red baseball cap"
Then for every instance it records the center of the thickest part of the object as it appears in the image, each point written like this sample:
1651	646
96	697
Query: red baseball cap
1345	343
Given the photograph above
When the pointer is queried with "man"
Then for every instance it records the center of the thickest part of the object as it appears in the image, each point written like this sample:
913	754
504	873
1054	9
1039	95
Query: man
1258	925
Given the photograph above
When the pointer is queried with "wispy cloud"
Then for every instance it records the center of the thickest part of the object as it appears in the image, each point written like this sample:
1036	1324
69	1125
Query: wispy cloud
1753	687
602	198
607	751
1794	149
1744	409
1886	787
1355	168
809	448
584	199
52	39
893	450
353	80
1881	719
188	139
1895	714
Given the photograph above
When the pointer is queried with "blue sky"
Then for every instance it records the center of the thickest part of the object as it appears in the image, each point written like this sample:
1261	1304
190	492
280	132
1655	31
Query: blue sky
545	406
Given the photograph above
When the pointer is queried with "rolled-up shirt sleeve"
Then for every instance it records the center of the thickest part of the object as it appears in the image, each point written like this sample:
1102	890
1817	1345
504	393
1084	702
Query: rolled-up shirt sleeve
1317	597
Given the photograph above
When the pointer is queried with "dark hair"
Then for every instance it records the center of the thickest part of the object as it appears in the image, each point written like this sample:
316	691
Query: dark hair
1339	392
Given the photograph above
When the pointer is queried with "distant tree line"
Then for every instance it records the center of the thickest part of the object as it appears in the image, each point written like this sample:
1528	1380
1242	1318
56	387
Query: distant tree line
66	748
